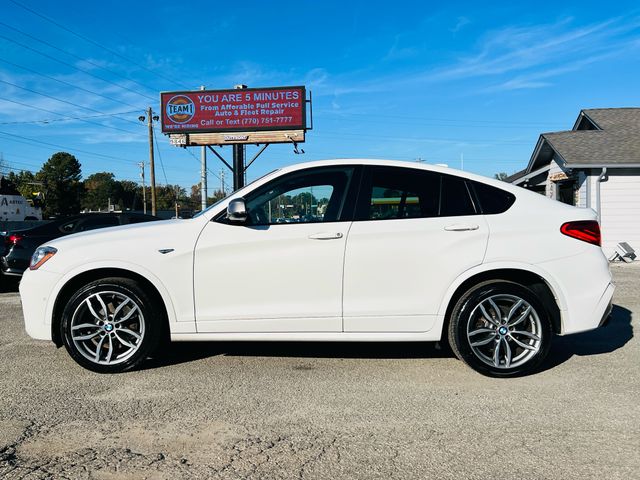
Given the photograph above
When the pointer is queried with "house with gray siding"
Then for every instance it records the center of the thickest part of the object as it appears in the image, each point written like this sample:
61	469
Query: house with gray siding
594	165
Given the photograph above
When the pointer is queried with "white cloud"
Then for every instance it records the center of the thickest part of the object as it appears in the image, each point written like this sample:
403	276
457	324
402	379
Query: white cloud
461	22
514	57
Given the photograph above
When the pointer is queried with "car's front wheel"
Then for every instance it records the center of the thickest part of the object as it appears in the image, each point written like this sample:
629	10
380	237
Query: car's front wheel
500	329
111	325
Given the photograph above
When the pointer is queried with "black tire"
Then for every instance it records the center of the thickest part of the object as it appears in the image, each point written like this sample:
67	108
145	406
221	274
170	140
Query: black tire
118	336
470	333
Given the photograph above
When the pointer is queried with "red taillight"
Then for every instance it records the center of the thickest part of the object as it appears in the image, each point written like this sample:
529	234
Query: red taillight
13	239
585	230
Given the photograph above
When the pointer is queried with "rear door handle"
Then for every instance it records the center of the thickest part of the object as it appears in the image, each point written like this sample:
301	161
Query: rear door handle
325	236
460	227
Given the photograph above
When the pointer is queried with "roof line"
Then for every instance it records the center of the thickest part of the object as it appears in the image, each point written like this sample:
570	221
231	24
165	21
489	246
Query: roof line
531	174
584	113
536	150
601	165
555	150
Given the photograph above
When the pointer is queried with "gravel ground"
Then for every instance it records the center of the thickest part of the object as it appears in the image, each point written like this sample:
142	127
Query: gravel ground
324	411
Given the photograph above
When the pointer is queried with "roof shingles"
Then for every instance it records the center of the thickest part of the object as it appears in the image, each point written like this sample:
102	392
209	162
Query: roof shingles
617	143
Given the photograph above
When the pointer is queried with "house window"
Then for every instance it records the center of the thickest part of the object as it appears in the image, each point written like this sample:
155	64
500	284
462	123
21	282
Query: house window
566	192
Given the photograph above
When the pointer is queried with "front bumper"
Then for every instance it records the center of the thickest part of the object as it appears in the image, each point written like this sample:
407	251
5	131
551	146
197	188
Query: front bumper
35	294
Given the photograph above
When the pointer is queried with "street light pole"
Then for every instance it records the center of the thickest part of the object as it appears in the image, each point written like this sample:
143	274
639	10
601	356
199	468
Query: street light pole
144	189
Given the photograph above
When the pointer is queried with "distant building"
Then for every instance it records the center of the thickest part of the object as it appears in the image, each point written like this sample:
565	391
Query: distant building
595	165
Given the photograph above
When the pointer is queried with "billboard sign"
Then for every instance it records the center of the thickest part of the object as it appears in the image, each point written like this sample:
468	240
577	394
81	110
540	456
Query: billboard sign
235	110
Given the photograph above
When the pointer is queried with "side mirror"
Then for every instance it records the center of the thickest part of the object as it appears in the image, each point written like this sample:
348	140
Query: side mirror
237	211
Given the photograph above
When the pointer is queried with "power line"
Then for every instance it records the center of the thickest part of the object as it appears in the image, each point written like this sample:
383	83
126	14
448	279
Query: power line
70	84
93	42
72	118
52	120
208	170
59	100
22	139
77	57
155	138
469	122
74	67
419	139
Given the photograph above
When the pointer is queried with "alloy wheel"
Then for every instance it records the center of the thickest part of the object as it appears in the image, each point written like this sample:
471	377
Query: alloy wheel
107	327
504	331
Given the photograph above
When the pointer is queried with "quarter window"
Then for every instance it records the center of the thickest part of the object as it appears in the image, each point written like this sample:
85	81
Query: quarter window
493	200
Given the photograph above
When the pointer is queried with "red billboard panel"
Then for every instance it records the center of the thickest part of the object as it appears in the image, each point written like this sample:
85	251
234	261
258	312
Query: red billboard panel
237	110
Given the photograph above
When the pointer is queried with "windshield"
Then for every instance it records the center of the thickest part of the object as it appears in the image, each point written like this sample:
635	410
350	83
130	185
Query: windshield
232	193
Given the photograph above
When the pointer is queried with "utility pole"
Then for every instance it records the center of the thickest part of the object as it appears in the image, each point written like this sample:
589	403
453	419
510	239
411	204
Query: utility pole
177	191
203	173
222	182
152	165
144	189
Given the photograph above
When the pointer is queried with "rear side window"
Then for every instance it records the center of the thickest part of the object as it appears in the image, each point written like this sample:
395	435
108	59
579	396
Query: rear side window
493	200
455	200
395	193
402	193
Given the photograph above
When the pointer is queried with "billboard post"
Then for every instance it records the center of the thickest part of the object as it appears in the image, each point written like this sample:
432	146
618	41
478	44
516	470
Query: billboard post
203	174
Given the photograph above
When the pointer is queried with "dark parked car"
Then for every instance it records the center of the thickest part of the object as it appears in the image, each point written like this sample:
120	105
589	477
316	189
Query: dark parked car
19	245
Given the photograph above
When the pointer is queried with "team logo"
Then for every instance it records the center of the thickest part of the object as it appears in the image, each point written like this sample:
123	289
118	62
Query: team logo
180	109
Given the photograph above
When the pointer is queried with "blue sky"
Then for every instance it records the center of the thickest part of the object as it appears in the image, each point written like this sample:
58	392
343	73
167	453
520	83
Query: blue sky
435	81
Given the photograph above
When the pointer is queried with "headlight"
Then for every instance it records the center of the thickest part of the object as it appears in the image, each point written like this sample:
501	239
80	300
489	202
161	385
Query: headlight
41	256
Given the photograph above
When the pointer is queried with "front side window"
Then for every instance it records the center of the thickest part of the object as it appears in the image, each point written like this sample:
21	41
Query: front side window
302	197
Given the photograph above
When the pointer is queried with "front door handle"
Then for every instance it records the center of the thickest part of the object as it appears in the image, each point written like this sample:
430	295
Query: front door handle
325	236
460	227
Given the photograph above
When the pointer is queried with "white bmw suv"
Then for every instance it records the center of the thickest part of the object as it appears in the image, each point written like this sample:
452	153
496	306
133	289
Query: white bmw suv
341	250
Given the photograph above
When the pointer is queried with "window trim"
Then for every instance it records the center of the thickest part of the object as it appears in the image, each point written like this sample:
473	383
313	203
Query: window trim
346	213
472	187
363	201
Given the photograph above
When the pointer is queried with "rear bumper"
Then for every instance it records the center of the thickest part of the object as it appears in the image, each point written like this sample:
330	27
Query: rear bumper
596	316
12	264
583	288
607	315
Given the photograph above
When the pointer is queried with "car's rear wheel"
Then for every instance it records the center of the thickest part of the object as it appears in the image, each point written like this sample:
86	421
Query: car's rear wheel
500	329
111	325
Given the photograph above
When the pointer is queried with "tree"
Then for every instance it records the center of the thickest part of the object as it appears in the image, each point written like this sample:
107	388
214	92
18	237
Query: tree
501	176
25	182
100	189
60	176
129	195
194	201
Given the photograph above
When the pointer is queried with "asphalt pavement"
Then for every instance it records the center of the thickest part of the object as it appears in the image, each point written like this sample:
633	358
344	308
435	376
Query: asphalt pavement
324	410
